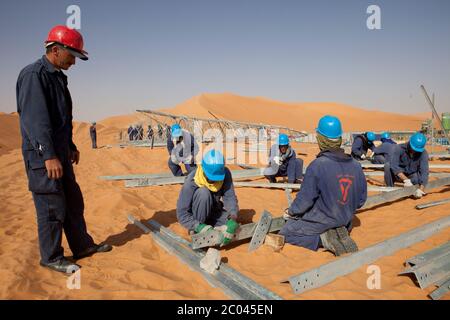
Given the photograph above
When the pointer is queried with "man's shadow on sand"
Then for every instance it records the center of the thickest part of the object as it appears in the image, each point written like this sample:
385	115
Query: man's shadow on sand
165	218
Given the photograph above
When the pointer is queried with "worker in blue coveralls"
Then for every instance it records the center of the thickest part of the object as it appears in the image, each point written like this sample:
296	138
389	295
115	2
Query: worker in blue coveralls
384	150
283	162
93	134
409	164
333	188
44	105
361	145
182	149
207	199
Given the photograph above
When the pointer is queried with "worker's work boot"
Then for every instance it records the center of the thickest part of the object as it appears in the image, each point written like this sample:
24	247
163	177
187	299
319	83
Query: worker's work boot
348	243
103	247
330	241
62	265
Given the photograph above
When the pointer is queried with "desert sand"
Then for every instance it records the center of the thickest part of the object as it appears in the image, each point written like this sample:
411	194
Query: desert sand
138	268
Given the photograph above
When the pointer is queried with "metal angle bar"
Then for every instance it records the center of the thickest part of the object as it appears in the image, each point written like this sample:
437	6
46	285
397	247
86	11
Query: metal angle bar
381	174
431	166
236	174
288	196
441	156
432	271
228	286
260	231
138	176
167	174
441	291
326	273
402	193
429	255
229	271
297	186
432	204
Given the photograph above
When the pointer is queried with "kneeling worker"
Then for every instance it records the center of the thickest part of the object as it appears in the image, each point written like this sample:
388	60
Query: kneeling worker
382	153
181	146
207	198
283	162
409	164
333	188
361	145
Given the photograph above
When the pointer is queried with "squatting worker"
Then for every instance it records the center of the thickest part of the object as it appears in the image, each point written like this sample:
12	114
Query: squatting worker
44	105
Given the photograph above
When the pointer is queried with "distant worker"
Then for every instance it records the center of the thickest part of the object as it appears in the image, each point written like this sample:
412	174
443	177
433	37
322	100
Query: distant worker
207	198
182	147
130	133
333	188
160	131
45	110
409	164
150	133
361	145
140	132
384	150
283	162
93	134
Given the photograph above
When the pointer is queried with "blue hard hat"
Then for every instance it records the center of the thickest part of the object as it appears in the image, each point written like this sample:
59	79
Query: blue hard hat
176	130
213	164
418	142
283	140
385	135
371	136
330	127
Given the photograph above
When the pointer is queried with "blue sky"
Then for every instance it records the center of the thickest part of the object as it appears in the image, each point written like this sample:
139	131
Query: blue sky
153	54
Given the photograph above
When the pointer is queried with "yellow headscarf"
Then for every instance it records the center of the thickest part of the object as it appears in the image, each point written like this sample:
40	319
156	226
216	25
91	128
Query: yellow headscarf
201	181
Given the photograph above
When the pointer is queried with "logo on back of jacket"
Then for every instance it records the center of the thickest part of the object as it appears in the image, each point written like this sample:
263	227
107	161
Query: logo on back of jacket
345	182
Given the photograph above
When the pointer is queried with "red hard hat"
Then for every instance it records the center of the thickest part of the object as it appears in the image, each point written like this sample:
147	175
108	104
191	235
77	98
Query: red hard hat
69	38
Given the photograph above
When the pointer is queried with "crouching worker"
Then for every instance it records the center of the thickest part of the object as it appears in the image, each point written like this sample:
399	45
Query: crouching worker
207	198
333	188
409	164
181	147
361	145
283	162
382	153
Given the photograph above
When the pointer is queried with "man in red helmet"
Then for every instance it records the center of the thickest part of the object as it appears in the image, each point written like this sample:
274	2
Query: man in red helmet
44	105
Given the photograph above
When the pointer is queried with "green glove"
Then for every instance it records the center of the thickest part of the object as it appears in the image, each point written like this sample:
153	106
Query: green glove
231	229
202	227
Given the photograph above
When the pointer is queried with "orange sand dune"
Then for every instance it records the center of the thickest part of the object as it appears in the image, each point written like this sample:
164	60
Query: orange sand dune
138	268
301	116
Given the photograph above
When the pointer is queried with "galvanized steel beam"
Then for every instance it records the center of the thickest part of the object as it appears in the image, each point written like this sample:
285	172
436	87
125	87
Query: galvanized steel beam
326	273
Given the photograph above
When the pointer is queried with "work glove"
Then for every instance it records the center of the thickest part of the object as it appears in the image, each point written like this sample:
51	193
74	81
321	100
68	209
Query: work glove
277	160
228	231
363	156
202	228
287	216
174	159
407	183
188	159
419	194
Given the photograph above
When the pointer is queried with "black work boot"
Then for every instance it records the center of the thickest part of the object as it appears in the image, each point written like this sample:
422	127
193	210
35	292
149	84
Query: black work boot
62	265
103	247
330	241
348	243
